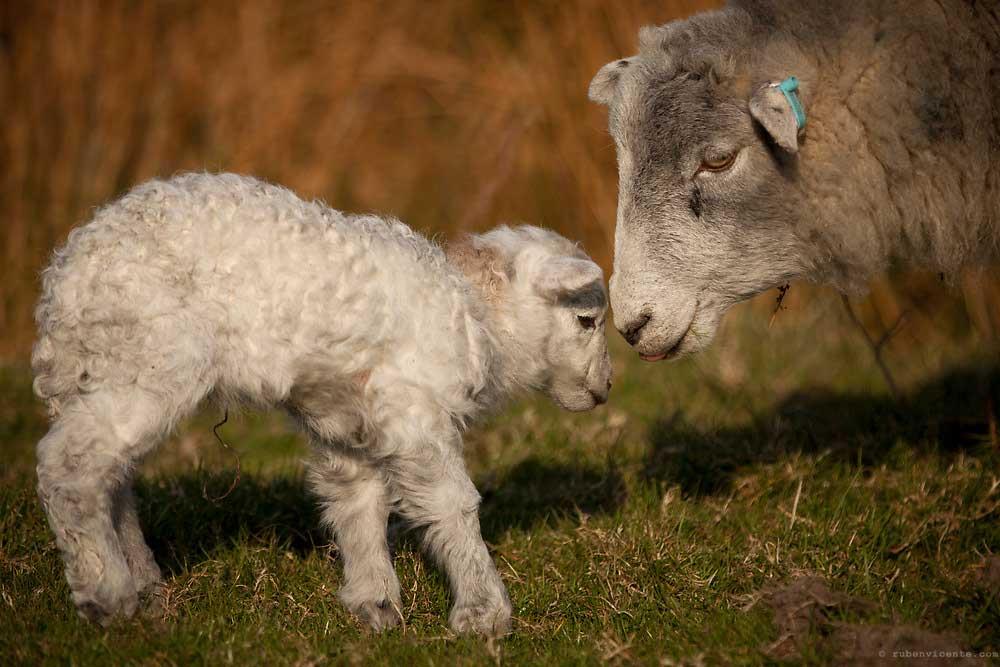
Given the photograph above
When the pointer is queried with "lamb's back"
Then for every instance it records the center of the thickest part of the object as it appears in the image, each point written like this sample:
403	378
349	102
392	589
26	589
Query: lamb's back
250	273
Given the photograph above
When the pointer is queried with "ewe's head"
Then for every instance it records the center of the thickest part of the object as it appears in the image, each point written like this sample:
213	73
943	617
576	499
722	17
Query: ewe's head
706	152
550	306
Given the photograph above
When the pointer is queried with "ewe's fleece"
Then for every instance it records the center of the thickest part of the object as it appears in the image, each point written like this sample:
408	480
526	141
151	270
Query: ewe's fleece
226	287
721	196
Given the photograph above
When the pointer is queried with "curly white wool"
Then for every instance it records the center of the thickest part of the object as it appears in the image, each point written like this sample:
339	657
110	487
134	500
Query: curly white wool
227	287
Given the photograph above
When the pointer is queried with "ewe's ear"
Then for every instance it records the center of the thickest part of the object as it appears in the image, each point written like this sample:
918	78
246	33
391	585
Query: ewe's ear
777	107
605	82
560	277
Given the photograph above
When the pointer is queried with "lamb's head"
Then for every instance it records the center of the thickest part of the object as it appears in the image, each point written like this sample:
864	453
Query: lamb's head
548	305
706	155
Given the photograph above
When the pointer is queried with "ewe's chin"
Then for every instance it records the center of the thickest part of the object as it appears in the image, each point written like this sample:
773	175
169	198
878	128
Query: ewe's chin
696	337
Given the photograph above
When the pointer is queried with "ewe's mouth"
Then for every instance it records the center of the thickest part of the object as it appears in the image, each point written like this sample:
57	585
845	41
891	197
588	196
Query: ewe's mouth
669	354
675	350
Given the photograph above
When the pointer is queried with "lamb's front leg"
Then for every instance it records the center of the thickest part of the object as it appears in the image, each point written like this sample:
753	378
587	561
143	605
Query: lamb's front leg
356	506
145	572
435	492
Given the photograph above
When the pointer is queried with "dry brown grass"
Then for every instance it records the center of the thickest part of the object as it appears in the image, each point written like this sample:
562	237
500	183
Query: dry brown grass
453	115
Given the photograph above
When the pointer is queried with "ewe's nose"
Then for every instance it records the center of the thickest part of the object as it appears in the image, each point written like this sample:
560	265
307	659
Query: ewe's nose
631	331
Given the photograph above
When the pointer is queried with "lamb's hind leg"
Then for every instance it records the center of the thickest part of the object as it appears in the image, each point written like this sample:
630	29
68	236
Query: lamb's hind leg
355	505
83	463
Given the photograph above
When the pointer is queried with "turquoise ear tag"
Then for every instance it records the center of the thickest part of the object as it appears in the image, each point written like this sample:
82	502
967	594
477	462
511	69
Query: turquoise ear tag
789	87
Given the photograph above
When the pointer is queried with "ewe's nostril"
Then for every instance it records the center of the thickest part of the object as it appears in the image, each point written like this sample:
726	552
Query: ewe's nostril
609	385
632	330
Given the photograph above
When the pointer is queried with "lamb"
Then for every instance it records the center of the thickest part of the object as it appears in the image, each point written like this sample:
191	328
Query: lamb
726	190
383	346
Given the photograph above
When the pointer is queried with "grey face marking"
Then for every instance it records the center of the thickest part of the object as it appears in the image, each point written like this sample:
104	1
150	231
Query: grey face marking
696	202
691	241
588	299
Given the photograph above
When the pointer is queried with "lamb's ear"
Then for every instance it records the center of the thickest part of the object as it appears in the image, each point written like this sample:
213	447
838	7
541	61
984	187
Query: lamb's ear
776	106
605	82
560	277
482	265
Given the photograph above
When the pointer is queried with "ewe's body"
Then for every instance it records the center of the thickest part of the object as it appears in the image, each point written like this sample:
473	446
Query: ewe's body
722	197
230	288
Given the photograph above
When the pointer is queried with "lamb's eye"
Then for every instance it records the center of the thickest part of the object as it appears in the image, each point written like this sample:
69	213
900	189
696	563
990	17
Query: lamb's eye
717	164
586	322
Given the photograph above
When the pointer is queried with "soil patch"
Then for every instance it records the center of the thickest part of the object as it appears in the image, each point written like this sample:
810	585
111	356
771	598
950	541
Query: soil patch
804	609
888	644
989	575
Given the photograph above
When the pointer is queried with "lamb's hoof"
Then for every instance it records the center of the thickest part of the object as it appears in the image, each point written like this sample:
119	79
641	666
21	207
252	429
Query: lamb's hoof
379	614
153	601
147	579
490	620
104	610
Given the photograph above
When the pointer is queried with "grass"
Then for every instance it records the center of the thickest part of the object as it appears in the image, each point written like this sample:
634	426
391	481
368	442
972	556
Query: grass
640	532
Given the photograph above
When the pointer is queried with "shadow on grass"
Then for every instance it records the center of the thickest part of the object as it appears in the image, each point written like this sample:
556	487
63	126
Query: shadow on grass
949	414
185	525
535	492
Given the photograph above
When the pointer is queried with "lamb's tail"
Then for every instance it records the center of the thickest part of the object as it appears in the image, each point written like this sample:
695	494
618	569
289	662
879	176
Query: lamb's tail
52	383
56	364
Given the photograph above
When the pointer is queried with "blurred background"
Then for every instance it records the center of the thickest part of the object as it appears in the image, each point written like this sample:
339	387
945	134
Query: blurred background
453	115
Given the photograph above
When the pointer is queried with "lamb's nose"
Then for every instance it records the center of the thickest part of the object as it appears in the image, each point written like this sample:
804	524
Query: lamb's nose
632	330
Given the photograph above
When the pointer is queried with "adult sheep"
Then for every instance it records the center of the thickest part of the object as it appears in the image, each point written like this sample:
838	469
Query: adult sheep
727	191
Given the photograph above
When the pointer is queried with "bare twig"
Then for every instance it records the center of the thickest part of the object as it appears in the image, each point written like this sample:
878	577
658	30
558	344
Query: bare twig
395	608
236	479
795	505
782	291
876	345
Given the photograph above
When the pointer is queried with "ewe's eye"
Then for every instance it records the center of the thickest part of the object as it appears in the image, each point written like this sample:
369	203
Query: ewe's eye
586	322
717	164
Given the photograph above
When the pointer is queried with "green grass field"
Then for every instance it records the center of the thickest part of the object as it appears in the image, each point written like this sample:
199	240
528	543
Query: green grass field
672	526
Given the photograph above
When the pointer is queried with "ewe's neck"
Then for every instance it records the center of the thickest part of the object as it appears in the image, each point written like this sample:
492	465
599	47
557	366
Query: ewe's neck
893	165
